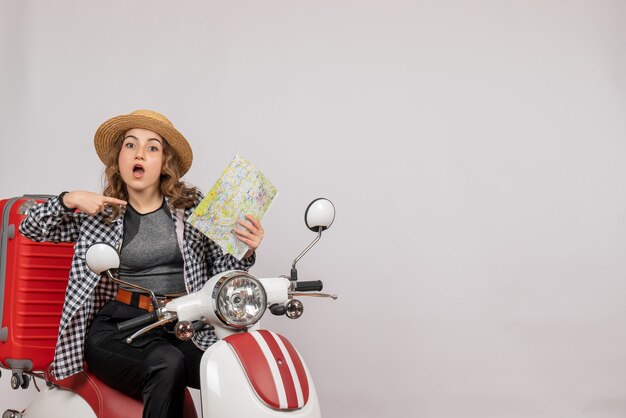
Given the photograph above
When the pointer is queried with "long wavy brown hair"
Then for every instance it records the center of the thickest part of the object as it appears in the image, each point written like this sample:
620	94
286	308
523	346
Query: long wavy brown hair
180	194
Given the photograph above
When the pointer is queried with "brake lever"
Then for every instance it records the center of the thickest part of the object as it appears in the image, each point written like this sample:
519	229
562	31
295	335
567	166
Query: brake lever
313	294
166	317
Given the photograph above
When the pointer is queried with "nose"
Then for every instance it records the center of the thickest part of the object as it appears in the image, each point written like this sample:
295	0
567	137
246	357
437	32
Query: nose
139	154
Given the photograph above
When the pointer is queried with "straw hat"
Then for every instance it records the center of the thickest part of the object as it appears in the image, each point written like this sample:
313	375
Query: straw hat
111	130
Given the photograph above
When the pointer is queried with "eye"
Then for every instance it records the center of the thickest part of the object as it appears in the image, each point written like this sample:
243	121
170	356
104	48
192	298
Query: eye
153	148
129	145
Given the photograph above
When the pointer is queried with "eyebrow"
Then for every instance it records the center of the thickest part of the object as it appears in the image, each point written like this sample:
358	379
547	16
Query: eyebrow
149	139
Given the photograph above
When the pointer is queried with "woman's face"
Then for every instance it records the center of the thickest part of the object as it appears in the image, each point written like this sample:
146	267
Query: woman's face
141	160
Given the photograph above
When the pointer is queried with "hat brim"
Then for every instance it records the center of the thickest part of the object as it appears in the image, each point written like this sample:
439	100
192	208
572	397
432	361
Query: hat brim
110	131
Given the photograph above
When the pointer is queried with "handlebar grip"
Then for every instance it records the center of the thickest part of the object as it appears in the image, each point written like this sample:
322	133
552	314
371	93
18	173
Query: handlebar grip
137	322
309	286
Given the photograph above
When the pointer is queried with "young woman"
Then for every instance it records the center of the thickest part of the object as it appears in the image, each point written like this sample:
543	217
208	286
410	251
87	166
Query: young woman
141	213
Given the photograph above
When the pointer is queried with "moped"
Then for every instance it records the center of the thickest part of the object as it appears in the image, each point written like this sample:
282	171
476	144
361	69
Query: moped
250	372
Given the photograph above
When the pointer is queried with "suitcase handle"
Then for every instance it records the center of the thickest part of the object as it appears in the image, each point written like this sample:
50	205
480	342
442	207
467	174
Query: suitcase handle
39	196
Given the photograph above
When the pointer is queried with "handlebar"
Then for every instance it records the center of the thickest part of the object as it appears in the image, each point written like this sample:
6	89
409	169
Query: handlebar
308	286
137	322
151	320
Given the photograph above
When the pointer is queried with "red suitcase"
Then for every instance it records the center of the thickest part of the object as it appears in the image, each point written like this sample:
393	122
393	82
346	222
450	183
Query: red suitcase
33	278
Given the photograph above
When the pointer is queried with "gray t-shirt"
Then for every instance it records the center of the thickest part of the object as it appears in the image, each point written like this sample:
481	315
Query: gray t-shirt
150	255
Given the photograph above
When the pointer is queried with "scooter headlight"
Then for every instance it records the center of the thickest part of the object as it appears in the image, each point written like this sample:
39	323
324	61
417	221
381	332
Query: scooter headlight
240	300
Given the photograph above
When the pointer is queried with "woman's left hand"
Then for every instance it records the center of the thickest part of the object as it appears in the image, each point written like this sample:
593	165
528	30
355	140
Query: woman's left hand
250	233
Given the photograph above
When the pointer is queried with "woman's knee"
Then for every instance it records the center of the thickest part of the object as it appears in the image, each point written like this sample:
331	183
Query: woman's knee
166	364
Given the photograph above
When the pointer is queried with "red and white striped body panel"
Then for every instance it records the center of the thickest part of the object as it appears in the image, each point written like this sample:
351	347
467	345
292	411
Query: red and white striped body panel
256	374
273	367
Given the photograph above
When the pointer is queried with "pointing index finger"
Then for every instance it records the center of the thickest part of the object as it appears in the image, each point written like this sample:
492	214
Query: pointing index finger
115	201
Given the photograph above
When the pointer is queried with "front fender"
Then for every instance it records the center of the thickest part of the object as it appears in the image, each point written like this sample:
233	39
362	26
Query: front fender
232	368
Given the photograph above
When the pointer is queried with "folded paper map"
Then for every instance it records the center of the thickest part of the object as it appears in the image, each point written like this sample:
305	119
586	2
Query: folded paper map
241	190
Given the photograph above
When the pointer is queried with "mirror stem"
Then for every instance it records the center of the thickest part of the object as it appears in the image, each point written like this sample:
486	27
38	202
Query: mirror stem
294	272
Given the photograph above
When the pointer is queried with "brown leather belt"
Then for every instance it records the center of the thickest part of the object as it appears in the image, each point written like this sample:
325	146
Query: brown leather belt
138	300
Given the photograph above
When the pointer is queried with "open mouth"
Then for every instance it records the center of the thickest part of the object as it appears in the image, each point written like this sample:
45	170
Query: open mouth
138	170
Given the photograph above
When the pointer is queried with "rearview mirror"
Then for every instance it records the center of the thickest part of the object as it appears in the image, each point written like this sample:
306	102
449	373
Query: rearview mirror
319	215
101	257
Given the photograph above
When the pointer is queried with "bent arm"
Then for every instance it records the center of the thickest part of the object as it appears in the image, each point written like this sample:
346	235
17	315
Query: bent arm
51	221
219	262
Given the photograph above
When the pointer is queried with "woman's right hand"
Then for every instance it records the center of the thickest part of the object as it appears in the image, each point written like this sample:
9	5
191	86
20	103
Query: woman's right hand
89	202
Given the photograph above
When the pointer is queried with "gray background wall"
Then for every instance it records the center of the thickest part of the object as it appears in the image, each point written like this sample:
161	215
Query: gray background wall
474	151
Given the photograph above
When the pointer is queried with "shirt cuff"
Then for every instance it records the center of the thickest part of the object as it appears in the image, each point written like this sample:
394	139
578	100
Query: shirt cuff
249	262
63	204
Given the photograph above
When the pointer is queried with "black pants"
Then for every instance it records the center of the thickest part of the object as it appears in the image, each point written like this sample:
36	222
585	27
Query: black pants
156	367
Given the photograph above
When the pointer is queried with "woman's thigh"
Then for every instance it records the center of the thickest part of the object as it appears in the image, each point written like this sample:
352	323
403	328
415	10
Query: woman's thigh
126	366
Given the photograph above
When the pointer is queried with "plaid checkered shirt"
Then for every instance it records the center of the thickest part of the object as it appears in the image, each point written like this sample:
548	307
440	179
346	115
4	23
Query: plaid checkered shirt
87	291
